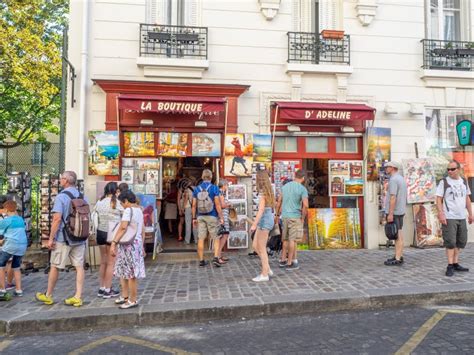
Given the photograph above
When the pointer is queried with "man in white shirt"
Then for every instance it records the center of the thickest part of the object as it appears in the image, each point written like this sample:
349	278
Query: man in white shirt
454	205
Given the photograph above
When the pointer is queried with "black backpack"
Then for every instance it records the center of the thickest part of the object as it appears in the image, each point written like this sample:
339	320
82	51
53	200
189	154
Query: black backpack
391	230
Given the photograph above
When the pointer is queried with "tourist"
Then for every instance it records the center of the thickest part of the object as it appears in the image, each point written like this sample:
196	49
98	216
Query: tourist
225	229
130	264
263	223
185	202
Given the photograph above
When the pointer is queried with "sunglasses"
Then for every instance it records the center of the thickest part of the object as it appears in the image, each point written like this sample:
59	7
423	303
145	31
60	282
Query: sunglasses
451	169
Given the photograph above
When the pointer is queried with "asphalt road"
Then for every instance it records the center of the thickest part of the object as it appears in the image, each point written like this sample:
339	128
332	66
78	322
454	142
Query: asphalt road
436	330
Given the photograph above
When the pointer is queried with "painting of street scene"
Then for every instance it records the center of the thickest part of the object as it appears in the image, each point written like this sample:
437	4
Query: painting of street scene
173	144
378	150
103	153
139	144
237	240
206	145
334	228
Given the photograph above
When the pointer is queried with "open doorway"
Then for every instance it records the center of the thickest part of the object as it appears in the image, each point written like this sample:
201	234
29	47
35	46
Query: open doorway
317	182
178	172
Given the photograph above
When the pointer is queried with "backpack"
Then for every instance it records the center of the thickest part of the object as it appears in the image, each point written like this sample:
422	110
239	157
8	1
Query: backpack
204	203
76	223
446	186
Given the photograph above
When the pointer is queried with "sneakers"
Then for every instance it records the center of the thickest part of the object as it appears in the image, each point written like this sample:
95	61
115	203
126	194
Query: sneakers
128	305
121	300
18	293
457	267
450	270
110	294
292	266
393	261
282	264
261	278
5	296
203	263
270	273
42	297
9	287
216	262
73	301
101	292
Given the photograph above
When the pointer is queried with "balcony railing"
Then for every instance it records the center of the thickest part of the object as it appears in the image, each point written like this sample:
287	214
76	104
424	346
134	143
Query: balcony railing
307	47
173	41
448	55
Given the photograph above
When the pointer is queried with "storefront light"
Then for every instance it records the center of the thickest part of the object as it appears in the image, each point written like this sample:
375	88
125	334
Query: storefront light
293	128
146	122
200	124
347	129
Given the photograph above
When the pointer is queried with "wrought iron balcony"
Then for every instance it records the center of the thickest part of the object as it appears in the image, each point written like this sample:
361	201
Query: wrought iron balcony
173	41
448	55
308	47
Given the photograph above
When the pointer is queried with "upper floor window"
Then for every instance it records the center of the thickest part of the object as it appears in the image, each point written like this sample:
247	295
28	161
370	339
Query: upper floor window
317	15
346	145
448	20
172	12
286	145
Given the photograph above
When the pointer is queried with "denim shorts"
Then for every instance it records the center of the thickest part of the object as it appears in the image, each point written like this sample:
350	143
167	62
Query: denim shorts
268	219
16	260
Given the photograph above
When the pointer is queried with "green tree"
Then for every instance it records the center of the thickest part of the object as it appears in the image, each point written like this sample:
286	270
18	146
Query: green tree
30	69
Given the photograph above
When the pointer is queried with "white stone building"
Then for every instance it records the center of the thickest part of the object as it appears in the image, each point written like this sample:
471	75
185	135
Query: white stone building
411	60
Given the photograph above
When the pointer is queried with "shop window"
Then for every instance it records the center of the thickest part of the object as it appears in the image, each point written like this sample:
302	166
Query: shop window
346	145
316	145
286	145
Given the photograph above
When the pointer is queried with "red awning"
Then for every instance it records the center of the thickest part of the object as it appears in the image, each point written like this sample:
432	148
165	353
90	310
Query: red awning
313	111
171	104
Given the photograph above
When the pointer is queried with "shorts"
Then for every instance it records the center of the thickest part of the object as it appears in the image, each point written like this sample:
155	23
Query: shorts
101	238
292	229
63	252
207	225
268	220
454	233
5	258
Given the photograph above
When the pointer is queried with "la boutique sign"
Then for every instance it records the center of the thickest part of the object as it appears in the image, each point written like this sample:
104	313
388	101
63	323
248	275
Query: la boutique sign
327	115
167	106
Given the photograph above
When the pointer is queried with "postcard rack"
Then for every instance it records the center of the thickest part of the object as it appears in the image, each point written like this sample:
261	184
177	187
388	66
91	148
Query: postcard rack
49	190
19	190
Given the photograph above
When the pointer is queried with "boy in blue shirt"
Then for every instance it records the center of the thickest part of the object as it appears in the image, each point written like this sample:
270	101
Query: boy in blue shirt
14	246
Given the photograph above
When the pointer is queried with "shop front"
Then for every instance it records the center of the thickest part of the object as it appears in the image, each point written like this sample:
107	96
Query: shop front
326	140
168	133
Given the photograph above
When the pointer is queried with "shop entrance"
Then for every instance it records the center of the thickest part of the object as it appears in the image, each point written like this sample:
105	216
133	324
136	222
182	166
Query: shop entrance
178	172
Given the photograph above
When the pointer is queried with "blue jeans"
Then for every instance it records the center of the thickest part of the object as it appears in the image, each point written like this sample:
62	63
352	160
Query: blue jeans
268	219
16	260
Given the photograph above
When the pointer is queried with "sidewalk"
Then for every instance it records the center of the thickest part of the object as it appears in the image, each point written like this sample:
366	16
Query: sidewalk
182	292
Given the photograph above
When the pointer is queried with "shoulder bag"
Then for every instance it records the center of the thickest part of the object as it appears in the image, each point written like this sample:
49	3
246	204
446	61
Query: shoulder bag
130	233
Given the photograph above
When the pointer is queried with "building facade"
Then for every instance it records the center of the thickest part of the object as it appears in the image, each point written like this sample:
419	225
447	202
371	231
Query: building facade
273	66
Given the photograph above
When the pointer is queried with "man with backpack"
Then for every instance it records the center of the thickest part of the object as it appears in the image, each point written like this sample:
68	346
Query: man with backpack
69	233
452	201
207	214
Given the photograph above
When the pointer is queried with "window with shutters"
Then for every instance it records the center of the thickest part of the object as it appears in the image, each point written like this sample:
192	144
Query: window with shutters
317	15
172	12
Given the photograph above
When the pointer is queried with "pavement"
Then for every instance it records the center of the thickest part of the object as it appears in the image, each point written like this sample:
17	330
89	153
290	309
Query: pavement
181	292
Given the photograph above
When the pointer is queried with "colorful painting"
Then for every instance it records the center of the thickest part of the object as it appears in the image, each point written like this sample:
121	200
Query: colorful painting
345	178
334	228
173	144
378	150
103	153
420	178
148	204
147	164
238	150
427	226
237	240
237	192
262	148
139	144
206	144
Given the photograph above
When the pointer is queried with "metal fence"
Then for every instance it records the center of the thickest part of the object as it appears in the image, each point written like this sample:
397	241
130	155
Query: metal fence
448	55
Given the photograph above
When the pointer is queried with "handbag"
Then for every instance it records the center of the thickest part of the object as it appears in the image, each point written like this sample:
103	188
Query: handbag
129	235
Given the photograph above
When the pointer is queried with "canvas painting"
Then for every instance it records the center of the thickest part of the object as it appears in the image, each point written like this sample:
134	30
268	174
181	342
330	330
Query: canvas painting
147	164
103	157
238	150
148	204
139	144
378	150
420	178
334	228
206	144
237	192
237	240
345	178
262	148
173	144
427	226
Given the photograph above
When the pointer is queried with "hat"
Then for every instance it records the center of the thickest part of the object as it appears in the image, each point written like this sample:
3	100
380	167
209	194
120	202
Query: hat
392	164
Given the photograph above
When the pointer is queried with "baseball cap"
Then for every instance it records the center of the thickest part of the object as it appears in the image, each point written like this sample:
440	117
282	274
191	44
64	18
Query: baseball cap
392	164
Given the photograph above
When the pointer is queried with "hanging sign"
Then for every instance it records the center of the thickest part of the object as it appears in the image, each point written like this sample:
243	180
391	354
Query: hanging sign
465	134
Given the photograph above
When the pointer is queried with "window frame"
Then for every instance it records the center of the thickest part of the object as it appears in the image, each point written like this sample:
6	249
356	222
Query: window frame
295	139
464	20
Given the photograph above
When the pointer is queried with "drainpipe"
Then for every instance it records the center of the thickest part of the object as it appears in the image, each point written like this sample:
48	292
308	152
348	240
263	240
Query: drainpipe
83	90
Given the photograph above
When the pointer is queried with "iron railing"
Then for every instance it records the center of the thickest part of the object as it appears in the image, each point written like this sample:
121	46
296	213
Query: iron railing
448	55
308	47
173	41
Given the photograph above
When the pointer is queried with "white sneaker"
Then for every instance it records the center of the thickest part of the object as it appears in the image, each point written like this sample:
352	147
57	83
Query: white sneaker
261	278
270	273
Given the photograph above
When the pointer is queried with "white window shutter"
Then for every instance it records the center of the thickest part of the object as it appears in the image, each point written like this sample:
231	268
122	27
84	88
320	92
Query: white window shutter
296	15
156	11
191	13
328	15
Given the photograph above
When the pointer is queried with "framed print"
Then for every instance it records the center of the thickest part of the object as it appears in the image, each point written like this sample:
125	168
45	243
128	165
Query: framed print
173	144
206	144
139	144
237	240
103	153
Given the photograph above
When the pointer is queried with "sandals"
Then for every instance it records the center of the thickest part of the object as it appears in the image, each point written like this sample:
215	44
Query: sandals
128	305
121	300
224	258
392	262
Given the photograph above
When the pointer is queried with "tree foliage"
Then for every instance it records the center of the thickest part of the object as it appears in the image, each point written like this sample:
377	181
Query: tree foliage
30	68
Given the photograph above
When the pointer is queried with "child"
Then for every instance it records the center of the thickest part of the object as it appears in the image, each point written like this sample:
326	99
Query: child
14	246
8	268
